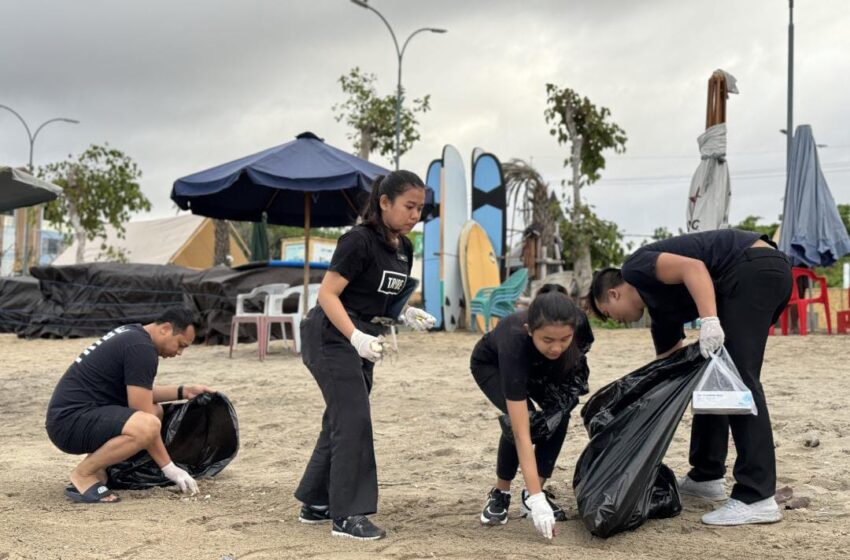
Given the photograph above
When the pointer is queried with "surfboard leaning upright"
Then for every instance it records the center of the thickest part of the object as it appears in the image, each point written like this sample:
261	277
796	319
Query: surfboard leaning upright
431	281
489	202
454	212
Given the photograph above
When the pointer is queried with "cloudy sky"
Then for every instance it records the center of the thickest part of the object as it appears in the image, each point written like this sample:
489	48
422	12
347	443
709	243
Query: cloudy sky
184	85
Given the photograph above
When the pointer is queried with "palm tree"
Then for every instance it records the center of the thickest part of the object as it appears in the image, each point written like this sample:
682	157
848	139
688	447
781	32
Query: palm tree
530	194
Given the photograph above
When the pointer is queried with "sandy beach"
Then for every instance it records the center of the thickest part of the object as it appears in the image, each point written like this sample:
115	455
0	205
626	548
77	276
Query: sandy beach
436	438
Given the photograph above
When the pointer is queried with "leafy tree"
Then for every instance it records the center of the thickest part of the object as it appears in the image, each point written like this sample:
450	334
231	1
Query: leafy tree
100	187
373	117
606	245
751	223
587	130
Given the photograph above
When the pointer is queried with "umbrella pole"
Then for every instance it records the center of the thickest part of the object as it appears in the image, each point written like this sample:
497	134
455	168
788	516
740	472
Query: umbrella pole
306	283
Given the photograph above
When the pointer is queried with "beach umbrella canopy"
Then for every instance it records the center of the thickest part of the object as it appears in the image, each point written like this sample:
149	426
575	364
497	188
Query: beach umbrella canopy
812	231
709	194
304	182
278	181
19	189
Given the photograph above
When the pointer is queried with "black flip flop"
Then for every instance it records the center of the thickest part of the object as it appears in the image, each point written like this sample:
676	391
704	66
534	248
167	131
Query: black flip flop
94	495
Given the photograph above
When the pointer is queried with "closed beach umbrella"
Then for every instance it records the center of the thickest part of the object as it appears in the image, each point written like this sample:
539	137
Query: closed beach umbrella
812	231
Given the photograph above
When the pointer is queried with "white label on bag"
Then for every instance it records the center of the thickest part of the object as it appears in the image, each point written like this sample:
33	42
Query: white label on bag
722	402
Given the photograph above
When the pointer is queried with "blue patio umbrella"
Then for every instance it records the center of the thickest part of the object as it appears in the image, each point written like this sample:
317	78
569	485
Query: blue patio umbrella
304	182
812	231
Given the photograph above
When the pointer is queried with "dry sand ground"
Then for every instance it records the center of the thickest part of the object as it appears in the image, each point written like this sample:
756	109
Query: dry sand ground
436	439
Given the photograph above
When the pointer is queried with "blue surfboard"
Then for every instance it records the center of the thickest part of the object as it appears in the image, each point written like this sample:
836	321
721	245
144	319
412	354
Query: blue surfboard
431	296
489	201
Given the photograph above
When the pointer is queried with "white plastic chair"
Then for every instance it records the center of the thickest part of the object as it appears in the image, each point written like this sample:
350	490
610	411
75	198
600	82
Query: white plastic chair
254	318
276	316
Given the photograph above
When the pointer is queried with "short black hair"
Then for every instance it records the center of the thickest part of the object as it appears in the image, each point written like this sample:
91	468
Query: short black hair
180	318
603	280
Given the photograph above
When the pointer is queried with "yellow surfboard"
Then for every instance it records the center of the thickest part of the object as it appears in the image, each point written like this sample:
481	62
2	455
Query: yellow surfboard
479	267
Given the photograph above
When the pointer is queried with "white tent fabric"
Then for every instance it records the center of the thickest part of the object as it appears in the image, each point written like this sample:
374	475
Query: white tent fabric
708	198
145	242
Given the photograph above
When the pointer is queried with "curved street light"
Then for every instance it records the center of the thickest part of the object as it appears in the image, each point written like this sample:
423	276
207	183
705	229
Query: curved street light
32	137
400	55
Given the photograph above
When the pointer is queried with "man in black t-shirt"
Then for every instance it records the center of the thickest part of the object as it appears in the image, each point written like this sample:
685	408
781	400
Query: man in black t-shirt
106	403
729	277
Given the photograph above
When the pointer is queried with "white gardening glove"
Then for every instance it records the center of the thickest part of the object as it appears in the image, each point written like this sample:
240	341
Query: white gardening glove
711	336
181	478
541	514
417	319
369	347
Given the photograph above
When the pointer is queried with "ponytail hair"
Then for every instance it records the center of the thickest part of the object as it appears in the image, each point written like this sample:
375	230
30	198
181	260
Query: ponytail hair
391	185
552	306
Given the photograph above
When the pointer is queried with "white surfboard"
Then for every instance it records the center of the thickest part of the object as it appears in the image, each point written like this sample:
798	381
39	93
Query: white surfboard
454	203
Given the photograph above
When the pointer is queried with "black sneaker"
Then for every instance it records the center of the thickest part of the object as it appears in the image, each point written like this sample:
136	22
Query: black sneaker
312	515
496	508
357	527
560	515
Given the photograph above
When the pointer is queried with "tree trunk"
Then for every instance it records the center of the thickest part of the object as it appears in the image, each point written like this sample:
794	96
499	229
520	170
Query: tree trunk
79	233
582	266
222	242
74	219
365	143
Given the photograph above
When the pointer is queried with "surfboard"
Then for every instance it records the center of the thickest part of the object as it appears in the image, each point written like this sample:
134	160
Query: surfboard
454	212
431	285
479	267
489	203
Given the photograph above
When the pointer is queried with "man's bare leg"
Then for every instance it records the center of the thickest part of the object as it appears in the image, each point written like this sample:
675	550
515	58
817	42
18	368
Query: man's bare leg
138	433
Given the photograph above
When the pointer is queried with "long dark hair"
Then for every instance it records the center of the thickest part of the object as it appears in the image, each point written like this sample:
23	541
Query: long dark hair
392	185
552	306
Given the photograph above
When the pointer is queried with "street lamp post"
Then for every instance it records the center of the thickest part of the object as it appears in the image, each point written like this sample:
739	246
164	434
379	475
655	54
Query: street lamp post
32	137
400	55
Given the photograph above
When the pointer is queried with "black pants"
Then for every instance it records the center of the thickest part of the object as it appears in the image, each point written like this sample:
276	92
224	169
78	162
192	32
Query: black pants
749	299
507	460
341	472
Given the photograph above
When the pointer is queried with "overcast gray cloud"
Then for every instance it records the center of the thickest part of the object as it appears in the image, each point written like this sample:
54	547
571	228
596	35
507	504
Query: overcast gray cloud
182	86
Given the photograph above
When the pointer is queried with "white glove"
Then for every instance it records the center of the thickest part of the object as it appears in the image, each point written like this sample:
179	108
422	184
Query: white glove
541	514
369	347
417	319
181	478
711	336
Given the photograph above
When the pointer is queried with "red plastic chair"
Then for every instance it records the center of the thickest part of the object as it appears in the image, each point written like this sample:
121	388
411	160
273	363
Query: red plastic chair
803	303
843	326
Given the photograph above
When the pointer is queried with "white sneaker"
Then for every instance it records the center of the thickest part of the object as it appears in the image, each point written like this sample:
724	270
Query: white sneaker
735	512
714	490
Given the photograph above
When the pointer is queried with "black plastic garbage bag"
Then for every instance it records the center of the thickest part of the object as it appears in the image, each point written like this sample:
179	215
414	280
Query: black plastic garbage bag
201	436
542	424
619	480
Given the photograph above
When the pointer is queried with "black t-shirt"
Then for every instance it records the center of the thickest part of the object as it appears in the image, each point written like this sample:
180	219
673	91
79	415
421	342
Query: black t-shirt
670	305
525	372
100	375
375	272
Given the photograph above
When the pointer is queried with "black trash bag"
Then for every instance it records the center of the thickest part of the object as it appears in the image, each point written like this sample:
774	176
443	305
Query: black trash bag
201	436
619	480
543	424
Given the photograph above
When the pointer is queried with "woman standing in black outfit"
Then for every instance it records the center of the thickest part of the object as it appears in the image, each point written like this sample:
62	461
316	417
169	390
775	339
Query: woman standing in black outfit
342	339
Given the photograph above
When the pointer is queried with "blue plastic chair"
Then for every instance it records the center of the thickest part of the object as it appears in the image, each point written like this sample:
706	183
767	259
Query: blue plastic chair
499	301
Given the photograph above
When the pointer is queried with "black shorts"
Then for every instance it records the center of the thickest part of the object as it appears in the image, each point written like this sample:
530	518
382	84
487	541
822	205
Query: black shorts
87	430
